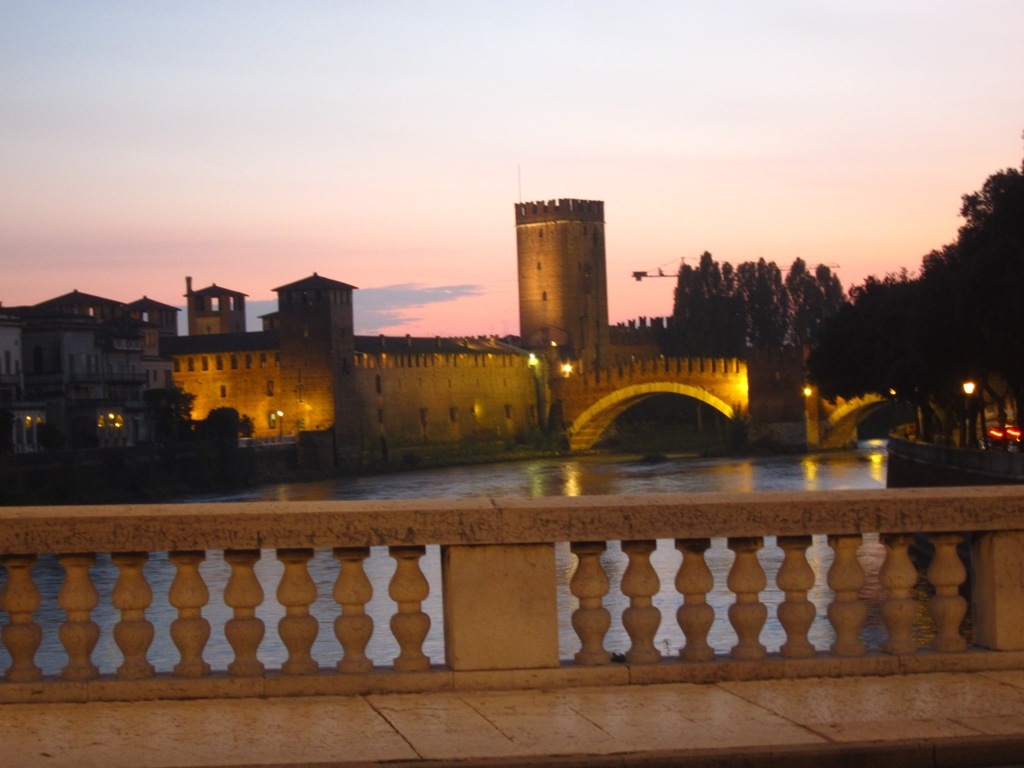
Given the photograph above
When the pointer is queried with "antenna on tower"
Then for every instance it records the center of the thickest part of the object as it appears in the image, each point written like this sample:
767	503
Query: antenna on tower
519	175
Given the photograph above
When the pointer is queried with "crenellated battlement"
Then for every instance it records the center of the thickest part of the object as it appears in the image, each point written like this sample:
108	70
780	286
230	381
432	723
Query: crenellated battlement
560	210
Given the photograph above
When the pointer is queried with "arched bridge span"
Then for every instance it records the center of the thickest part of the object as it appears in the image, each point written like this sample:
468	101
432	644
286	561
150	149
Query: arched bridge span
587	428
841	425
592	401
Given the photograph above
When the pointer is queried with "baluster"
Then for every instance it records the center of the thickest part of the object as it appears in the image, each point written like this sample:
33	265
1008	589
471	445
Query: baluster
352	591
847	612
589	584
946	573
79	633
796	613
21	635
695	617
243	594
297	629
190	631
641	619
898	576
748	614
133	633
409	588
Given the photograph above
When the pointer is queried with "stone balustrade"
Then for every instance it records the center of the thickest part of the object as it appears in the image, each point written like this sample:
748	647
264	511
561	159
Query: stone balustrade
500	612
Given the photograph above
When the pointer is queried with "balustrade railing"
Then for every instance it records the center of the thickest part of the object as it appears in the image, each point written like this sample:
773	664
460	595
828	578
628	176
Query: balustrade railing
498	571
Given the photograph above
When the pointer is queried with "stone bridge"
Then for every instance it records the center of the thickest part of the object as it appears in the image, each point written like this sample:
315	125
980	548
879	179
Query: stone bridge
591	400
838	428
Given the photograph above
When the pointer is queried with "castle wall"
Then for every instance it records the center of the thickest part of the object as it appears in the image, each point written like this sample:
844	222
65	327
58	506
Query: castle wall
249	382
420	399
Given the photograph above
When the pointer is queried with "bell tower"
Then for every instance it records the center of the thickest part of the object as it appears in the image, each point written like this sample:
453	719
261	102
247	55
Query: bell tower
563	291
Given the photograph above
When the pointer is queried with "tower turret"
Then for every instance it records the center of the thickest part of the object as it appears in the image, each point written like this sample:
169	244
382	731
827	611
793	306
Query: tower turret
563	294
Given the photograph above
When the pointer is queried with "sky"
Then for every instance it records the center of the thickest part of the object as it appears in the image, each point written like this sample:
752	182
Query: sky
384	144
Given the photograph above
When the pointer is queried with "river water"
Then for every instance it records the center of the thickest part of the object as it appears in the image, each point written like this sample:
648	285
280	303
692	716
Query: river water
863	468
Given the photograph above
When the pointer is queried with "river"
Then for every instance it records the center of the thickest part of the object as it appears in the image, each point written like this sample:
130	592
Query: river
863	468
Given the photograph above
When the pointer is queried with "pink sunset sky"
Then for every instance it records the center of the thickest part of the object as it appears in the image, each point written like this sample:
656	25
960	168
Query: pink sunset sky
384	144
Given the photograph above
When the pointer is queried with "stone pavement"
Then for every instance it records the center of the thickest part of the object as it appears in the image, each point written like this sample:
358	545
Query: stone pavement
925	719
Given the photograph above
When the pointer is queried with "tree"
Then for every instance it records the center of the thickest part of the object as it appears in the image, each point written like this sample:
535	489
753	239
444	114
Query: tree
171	412
766	301
813	298
721	311
706	313
221	427
959	320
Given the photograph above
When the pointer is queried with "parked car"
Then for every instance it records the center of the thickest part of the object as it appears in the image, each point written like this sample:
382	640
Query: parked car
1005	438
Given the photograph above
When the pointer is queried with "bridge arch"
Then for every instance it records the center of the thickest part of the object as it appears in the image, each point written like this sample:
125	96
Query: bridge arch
842	422
588	427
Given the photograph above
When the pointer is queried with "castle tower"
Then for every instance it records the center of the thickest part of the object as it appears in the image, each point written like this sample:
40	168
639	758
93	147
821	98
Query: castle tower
214	310
316	350
563	292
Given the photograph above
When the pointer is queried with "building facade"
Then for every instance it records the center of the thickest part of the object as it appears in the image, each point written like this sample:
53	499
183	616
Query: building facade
307	371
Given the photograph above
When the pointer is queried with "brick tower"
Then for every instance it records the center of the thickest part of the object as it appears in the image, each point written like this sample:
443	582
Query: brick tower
316	348
563	292
214	310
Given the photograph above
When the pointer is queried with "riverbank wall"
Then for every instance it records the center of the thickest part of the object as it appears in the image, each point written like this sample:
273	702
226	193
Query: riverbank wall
915	464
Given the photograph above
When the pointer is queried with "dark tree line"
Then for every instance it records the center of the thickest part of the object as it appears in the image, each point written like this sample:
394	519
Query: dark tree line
960	319
721	310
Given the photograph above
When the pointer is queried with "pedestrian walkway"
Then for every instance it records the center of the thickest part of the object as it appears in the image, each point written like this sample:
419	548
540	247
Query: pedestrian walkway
915	720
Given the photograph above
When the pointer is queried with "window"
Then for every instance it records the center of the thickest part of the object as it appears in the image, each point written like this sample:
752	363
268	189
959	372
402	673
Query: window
191	363
453	413
206	363
270	387
263	359
248	360
223	390
220	363
234	362
380	415
380	386
272	419
508	411
177	365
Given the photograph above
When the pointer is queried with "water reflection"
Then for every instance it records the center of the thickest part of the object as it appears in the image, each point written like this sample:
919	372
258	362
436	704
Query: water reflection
864	469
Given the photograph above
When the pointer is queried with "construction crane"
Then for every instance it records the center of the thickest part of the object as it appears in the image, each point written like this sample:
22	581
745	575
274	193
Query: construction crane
638	276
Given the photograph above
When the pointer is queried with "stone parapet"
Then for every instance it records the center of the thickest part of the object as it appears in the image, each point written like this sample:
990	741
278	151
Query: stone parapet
498	601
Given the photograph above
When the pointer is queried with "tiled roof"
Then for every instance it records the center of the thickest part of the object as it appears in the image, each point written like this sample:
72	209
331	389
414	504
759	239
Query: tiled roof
314	281
254	341
216	290
436	345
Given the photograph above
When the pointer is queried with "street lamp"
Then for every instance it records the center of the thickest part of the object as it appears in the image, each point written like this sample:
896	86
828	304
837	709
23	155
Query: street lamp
280	425
969	387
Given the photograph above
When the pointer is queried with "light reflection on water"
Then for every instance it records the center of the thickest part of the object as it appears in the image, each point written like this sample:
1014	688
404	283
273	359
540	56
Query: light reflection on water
861	469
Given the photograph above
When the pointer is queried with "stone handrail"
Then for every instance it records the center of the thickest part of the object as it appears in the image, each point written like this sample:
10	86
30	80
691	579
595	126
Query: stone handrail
498	570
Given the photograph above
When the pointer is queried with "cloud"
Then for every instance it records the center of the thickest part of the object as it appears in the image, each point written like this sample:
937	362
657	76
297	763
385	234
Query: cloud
389	305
